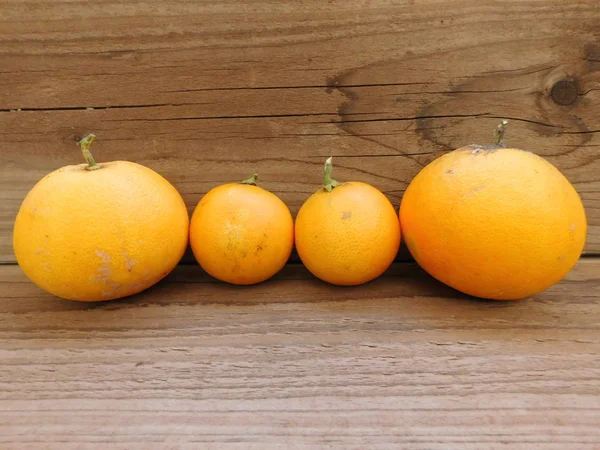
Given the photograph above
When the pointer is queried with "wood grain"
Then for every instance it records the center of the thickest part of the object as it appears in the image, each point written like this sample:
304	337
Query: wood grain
207	92
403	362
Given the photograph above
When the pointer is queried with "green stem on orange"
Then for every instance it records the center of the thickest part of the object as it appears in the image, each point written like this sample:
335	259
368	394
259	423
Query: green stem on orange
252	180
85	145
329	183
499	133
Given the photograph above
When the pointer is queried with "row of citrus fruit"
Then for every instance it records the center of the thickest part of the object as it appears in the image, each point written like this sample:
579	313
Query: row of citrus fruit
490	221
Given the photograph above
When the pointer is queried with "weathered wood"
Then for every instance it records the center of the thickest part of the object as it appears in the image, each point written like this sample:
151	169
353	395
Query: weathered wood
206	92
403	362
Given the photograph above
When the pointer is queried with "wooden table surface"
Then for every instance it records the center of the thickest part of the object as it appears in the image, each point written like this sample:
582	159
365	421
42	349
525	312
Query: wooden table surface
209	92
402	363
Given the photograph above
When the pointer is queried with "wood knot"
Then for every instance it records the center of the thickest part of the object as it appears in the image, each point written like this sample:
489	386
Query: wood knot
564	92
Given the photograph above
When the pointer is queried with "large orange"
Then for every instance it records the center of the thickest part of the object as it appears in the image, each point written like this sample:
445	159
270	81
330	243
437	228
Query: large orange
241	233
493	222
347	233
87	234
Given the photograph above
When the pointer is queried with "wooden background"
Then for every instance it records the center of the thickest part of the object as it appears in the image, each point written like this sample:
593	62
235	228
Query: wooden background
208	92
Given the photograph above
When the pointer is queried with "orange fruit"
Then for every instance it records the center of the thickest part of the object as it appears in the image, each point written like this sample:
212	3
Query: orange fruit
347	233
493	222
241	233
86	234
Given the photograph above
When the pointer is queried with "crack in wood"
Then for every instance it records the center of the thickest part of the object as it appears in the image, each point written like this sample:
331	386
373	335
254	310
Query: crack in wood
390	119
83	108
265	116
493	91
388	155
329	85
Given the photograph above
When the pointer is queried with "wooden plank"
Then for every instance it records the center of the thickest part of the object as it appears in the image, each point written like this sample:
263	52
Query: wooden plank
69	54
206	92
403	362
